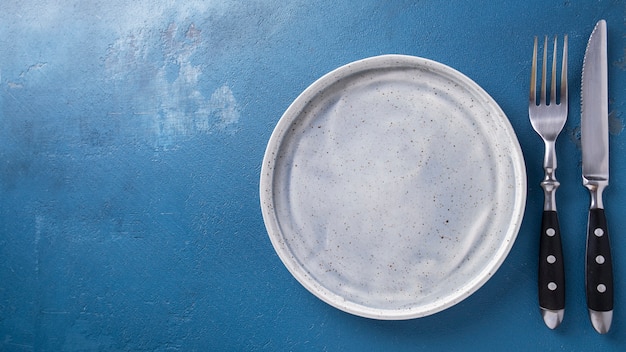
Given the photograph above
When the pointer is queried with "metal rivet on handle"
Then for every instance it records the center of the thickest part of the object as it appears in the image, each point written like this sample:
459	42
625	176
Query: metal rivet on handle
550	232
600	259
601	288
598	232
551	259
552	286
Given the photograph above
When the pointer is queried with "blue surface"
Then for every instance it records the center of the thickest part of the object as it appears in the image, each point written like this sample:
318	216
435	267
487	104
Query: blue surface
131	139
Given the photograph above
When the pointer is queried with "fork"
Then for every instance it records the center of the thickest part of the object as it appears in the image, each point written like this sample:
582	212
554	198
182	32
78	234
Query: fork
548	118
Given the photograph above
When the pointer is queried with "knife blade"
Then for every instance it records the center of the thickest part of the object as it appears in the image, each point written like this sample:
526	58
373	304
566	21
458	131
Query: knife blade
595	172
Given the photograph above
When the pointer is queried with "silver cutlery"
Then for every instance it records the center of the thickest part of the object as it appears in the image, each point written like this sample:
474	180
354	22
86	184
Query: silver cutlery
595	170
548	116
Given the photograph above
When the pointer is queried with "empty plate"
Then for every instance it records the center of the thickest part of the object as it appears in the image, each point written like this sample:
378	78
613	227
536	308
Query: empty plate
393	187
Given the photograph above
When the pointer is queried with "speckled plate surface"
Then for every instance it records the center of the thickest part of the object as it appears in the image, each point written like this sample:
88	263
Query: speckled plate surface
393	187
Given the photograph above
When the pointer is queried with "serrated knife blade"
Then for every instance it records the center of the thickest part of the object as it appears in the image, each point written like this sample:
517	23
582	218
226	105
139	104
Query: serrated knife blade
594	120
595	172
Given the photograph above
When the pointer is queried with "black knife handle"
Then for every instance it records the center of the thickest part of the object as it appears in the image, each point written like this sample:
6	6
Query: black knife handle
599	265
551	273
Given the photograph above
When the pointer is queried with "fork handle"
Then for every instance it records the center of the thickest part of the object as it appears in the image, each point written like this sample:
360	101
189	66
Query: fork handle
551	270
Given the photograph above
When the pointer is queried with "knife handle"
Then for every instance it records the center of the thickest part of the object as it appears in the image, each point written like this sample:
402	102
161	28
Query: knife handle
599	265
551	270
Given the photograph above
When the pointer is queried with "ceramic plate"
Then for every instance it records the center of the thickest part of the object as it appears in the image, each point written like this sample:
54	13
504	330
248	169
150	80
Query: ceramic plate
393	187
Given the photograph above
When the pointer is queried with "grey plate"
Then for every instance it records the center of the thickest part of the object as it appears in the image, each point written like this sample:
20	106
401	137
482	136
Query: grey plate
393	187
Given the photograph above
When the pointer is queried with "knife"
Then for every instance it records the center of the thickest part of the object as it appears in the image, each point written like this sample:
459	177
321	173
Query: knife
595	170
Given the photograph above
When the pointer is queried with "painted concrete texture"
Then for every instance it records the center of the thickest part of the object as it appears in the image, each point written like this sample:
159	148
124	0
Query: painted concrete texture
131	139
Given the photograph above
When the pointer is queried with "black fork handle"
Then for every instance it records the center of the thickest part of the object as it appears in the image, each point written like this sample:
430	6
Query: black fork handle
551	269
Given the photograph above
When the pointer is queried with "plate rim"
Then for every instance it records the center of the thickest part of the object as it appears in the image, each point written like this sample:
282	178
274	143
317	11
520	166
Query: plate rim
280	132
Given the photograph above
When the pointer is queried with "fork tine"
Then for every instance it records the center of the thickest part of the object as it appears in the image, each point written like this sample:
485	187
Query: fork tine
533	76
543	96
553	77
563	97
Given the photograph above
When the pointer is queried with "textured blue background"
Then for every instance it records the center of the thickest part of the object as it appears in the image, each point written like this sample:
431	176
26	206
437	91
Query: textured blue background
131	139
